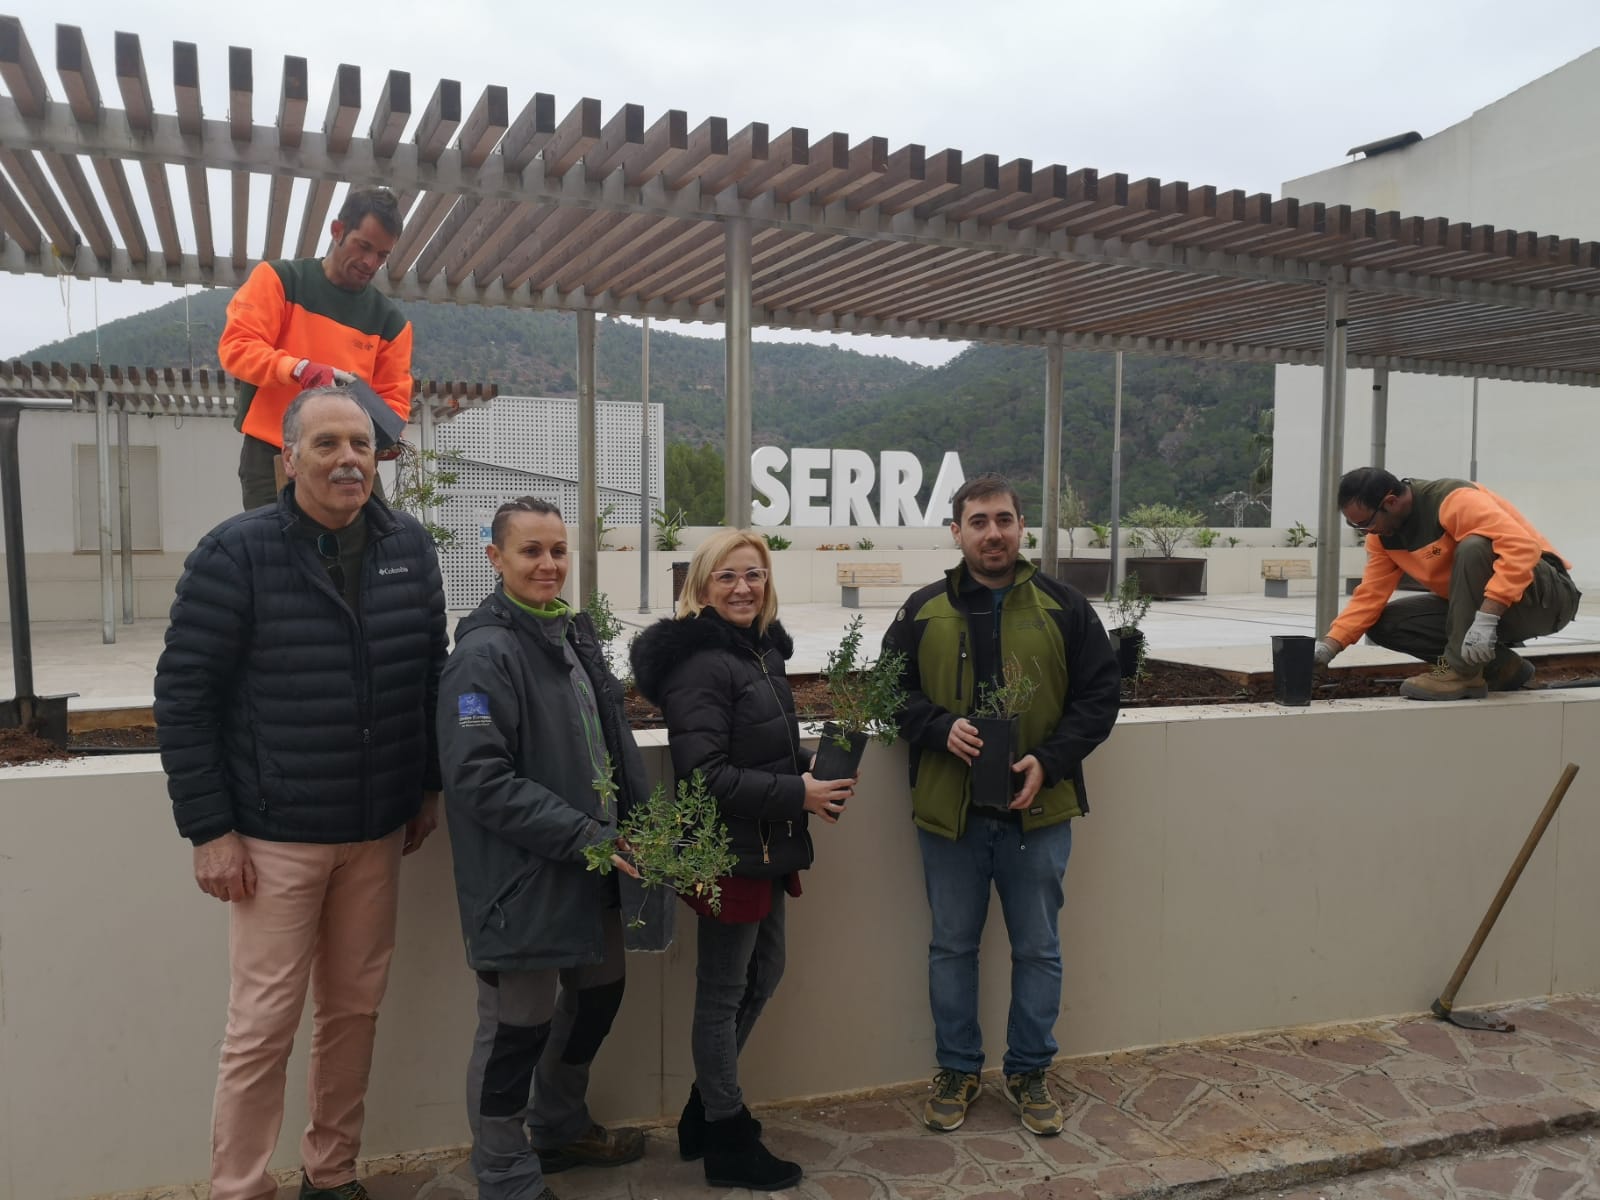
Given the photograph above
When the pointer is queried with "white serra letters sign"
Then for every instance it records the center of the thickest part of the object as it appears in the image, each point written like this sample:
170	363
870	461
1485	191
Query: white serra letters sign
834	487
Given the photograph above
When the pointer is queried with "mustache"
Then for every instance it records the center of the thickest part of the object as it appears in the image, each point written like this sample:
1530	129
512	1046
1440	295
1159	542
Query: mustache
347	475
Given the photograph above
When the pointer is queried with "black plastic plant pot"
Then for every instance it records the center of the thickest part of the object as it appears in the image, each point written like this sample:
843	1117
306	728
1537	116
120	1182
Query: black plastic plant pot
1294	658
648	914
1128	642
992	779
833	760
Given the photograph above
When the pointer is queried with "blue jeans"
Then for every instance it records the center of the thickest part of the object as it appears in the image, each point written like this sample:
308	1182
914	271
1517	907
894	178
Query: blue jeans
1027	871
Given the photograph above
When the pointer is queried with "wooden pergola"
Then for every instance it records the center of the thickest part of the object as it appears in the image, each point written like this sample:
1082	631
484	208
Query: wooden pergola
617	212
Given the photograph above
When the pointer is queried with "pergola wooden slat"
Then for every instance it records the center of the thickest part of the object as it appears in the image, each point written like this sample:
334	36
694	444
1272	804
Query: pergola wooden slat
669	218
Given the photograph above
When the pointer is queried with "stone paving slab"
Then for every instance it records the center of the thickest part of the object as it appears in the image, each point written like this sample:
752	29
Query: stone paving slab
1275	1114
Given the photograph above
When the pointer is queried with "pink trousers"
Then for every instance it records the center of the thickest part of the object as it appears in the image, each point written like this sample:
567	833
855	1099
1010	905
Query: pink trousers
324	915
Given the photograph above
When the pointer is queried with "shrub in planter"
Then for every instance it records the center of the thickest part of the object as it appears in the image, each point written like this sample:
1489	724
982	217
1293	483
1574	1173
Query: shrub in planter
677	843
867	699
1165	527
1128	606
998	707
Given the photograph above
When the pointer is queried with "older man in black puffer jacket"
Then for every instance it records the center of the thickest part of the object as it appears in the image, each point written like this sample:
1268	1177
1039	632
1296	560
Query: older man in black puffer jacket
295	706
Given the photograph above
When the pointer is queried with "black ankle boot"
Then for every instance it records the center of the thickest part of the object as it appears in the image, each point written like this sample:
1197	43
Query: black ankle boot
735	1157
692	1127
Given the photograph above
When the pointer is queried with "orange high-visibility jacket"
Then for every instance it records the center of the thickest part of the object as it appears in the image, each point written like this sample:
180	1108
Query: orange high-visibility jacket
1443	512
287	310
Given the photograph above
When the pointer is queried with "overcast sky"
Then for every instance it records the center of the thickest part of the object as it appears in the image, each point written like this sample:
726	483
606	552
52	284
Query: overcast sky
1230	94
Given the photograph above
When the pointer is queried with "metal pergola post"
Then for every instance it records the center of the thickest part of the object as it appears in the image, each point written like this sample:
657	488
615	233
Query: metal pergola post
16	553
1050	535
644	468
739	418
125	512
1329	522
1380	416
102	455
1115	574
588	485
428	462
1472	462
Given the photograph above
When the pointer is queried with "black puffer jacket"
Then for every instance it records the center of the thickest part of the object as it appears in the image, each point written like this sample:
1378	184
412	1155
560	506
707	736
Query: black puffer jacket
731	715
281	715
519	778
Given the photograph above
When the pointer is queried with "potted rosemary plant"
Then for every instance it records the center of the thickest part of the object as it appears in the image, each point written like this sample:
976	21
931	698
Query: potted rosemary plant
1128	606
677	843
996	717
867	698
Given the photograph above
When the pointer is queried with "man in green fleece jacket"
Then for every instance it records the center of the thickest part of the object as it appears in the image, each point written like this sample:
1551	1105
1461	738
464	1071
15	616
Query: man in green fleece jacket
957	635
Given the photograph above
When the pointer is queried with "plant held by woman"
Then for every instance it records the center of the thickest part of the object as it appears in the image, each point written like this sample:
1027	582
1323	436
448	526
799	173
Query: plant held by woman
867	696
679	842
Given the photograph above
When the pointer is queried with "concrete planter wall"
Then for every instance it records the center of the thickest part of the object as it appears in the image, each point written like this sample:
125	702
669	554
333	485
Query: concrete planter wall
1243	868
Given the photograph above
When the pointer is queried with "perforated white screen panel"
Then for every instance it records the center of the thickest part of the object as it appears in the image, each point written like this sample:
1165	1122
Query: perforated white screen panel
528	446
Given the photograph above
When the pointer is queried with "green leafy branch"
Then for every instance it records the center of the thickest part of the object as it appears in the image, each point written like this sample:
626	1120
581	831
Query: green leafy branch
867	696
1012	697
680	842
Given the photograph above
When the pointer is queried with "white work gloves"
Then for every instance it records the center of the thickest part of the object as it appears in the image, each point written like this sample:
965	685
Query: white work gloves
1477	647
1326	649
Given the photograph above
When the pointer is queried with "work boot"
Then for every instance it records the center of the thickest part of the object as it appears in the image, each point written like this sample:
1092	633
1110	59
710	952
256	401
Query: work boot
1030	1096
345	1191
735	1157
692	1127
1508	671
1444	682
600	1147
953	1094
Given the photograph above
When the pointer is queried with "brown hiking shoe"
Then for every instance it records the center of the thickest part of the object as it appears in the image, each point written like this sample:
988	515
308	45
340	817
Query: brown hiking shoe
1030	1096
953	1094
600	1147
1444	682
1508	672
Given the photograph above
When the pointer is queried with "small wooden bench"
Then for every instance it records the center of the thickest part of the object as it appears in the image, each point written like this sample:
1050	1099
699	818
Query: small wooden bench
1278	571
852	577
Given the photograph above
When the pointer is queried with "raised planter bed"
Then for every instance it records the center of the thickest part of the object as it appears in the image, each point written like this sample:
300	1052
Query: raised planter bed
1169	578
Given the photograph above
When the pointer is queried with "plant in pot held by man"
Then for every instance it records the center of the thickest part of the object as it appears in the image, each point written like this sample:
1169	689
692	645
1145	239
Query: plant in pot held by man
996	718
867	699
676	842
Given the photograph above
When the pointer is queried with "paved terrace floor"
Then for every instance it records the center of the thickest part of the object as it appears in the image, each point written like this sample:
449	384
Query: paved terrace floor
1231	632
1399	1109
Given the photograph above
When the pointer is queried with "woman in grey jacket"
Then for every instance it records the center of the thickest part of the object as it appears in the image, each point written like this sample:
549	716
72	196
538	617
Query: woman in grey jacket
529	718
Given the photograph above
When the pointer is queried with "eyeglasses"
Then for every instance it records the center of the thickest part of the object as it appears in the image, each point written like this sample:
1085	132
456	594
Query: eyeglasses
755	577
328	549
1367	525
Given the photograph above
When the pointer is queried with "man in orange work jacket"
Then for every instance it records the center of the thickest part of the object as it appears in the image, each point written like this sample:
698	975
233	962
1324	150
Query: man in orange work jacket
297	324
1492	580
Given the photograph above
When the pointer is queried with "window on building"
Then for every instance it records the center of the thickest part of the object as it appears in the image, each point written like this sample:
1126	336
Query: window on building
144	497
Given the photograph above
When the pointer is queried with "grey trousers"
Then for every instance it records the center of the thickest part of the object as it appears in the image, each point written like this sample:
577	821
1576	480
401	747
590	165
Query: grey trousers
538	1031
1426	627
737	969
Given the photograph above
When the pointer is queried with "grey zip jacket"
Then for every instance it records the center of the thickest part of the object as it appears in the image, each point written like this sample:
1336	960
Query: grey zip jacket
527	712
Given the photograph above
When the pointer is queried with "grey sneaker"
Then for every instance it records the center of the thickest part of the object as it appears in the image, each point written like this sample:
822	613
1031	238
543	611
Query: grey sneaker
345	1191
953	1094
1030	1096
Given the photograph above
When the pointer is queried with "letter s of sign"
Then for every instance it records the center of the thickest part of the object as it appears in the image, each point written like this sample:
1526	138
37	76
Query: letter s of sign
765	463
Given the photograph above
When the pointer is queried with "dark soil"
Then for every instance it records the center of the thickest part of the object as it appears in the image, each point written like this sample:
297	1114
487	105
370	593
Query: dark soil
1164	685
18	746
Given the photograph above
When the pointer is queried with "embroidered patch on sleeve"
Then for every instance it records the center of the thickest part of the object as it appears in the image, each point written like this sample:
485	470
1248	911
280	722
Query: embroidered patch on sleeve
472	708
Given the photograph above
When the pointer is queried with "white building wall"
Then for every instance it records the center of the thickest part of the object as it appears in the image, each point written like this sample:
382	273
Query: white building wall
1529	161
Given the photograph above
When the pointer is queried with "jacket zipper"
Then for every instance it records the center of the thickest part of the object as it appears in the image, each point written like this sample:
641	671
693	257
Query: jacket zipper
961	659
794	755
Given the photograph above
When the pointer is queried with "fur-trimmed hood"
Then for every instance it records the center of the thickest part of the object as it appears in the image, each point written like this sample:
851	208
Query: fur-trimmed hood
673	640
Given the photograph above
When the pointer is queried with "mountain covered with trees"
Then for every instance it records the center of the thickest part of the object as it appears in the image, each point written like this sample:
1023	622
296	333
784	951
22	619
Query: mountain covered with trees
1189	427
